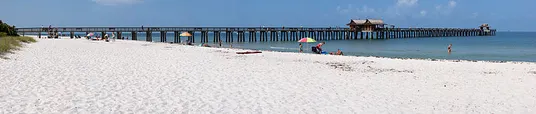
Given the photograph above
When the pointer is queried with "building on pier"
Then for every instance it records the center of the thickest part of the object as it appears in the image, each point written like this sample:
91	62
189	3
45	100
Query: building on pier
367	25
485	28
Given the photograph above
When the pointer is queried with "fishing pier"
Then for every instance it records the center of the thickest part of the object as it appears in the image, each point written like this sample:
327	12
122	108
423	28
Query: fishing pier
358	29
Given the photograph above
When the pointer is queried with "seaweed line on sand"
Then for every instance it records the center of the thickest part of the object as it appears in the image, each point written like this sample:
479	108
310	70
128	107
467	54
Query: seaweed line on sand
380	70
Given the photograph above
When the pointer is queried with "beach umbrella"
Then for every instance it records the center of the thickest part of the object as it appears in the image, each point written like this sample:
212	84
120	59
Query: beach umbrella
90	34
307	40
185	34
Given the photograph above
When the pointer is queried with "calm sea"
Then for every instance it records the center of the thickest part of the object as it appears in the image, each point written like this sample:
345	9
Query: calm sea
505	46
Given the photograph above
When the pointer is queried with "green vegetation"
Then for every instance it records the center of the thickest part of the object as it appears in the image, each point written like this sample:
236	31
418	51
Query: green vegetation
10	40
10	43
8	30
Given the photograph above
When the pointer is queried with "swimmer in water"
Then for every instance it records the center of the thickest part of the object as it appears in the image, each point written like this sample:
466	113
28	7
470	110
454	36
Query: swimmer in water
449	48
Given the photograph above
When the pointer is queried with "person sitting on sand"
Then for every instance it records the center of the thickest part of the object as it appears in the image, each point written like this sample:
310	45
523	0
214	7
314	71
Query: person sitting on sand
319	46
339	52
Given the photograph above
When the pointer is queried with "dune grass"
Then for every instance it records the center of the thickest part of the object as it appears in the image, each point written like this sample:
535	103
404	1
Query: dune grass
9	44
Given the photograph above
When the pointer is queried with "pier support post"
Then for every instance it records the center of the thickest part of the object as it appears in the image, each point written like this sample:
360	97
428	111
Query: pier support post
119	35
176	37
134	36
227	36
242	36
355	34
163	36
203	36
255	36
271	35
219	36
191	38
149	36
293	35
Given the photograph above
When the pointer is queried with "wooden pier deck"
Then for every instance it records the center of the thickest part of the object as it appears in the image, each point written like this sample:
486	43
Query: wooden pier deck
264	34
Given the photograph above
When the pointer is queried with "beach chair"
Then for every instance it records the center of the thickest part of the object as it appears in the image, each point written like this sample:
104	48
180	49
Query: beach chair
315	50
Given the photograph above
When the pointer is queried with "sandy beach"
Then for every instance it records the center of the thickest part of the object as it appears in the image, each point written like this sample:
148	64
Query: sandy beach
82	76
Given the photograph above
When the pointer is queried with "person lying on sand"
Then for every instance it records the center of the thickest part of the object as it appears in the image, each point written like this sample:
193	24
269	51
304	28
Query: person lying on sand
339	52
206	45
188	42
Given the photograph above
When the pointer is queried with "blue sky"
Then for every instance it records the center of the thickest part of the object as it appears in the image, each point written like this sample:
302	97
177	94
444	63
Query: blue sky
515	15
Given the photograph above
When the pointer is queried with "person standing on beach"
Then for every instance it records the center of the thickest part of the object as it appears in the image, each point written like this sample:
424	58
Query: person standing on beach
113	36
449	48
301	48
219	42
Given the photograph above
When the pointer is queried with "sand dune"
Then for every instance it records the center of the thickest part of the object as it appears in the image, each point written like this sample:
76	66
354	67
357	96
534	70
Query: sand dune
81	76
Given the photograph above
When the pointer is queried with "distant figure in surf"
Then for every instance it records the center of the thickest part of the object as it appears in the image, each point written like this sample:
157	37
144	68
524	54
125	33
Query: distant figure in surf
449	48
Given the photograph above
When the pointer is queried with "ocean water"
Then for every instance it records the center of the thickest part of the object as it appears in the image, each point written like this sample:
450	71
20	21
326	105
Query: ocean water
505	46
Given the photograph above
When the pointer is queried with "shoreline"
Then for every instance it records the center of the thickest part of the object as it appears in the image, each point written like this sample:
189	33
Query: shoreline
402	58
398	58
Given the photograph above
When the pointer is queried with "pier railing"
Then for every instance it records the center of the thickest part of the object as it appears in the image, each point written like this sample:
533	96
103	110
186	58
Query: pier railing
143	29
272	33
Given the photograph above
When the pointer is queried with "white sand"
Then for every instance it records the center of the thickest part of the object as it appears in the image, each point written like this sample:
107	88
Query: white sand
81	76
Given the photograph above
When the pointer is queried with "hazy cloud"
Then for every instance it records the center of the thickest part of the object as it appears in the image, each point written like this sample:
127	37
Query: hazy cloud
438	7
116	2
366	9
452	4
344	10
423	12
475	15
406	2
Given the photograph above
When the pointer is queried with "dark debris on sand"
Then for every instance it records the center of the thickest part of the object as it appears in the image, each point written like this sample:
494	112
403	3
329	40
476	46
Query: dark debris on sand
491	72
532	72
380	70
337	65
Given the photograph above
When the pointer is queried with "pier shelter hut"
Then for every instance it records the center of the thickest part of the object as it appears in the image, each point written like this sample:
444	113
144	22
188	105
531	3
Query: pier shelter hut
484	26
367	25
